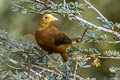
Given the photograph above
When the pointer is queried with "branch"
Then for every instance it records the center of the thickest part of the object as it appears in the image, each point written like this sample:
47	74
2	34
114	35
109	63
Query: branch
57	73
97	27
105	57
39	67
64	2
75	71
109	57
84	33
41	2
91	6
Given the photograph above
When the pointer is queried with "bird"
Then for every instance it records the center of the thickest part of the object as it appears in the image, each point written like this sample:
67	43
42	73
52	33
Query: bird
51	39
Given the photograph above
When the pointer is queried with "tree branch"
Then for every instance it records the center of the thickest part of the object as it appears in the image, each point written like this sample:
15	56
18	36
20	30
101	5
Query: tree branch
57	73
41	2
97	27
91	6
109	57
39	67
75	71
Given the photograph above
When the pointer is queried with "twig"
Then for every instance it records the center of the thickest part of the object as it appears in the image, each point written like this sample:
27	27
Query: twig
41	2
67	71
39	67
105	57
86	29
36	73
91	6
115	42
74	77
97	27
4	76
64	2
65	5
50	2
14	67
41	72
29	66
14	62
109	57
57	73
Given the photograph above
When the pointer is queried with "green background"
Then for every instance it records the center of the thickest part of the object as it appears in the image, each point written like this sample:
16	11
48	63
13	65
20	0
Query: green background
24	25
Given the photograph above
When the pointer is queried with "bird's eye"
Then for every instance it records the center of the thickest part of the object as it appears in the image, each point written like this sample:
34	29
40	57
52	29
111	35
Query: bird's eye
46	17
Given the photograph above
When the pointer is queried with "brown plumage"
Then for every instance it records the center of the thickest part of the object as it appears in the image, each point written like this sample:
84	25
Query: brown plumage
51	39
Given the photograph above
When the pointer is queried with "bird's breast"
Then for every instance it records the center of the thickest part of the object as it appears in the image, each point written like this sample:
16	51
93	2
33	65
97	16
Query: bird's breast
45	37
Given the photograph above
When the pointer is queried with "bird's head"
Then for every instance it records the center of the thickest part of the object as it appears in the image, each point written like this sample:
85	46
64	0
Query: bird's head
47	19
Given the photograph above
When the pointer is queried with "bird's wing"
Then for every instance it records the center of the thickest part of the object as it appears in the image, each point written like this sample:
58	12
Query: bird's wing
61	38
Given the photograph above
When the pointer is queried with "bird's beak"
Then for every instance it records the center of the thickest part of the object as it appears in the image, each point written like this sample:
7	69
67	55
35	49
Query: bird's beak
53	18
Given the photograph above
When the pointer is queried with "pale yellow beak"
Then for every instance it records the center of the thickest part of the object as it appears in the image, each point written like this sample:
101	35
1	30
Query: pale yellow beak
53	18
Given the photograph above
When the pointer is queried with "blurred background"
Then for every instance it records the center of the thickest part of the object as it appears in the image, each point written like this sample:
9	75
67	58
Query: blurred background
24	25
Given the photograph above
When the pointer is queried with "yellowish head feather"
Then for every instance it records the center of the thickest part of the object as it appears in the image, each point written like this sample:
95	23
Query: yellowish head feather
49	18
46	20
